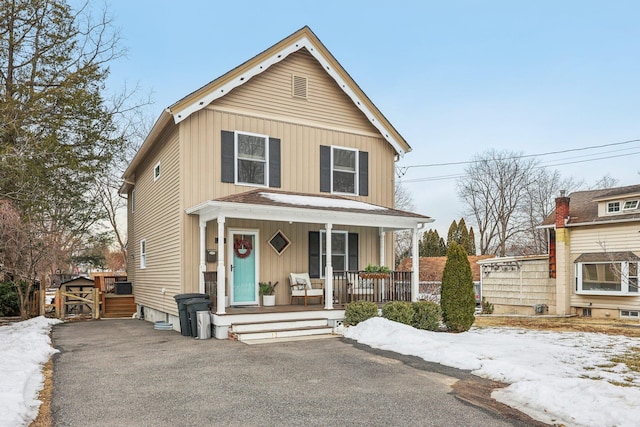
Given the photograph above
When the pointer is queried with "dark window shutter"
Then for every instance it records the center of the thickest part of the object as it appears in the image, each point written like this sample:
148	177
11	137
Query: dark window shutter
227	157
274	162
353	252
325	168
314	254
363	171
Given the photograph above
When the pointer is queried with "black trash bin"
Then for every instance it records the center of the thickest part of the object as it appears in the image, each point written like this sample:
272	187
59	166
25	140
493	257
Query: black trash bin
193	306
181	299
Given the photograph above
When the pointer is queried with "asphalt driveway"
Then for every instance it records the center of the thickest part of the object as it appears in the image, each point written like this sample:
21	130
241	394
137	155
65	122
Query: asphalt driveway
125	373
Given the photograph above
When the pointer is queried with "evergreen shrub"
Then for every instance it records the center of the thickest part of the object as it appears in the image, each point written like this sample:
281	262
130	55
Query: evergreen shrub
398	311
457	296
426	315
9	300
359	311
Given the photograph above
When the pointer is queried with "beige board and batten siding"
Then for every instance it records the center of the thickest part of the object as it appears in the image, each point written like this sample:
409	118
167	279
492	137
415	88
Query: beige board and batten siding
604	238
158	220
274	267
516	285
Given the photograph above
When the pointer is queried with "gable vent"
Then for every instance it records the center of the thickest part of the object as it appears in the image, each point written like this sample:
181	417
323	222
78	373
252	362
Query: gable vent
299	87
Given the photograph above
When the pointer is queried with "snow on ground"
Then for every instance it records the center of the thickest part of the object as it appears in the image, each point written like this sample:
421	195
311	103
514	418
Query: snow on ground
24	348
554	377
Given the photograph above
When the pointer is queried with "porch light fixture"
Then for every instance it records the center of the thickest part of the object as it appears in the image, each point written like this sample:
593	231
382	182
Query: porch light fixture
279	242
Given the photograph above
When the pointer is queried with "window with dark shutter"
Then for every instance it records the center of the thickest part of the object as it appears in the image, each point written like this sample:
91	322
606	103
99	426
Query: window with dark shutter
227	157
274	163
325	168
344	256
363	172
314	254
251	159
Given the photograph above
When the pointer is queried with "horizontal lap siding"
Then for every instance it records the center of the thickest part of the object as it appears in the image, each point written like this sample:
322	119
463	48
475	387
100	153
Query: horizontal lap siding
270	92
604	238
609	238
158	220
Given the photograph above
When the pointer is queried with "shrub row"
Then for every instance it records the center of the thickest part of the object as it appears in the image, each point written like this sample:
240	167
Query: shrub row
421	315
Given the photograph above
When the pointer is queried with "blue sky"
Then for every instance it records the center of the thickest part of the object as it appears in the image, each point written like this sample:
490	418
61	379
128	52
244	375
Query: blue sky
454	77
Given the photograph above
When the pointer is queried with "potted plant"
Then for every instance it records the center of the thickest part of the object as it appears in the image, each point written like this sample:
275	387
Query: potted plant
376	272
267	290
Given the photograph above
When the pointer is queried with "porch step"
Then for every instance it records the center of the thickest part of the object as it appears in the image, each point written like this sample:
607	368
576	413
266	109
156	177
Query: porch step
279	329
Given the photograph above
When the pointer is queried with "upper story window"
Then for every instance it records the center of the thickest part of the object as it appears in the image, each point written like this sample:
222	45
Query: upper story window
143	253
630	205
344	170
156	171
607	278
613	207
252	159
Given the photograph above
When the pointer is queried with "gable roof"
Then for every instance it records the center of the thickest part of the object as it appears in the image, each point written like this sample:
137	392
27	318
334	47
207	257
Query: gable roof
303	38
431	268
583	206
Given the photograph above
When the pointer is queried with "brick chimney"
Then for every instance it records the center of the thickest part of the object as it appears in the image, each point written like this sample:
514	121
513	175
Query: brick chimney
562	209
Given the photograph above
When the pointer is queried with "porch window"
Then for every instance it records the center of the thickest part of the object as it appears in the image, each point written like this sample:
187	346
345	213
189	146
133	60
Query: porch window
143	253
252	158
344	252
607	278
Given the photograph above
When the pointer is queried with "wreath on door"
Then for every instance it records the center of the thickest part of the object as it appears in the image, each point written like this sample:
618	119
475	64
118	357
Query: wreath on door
242	248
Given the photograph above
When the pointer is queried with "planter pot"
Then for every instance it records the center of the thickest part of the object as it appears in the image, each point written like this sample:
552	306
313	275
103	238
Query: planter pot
268	300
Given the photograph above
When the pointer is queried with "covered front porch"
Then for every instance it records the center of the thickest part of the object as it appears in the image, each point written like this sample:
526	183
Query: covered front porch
318	235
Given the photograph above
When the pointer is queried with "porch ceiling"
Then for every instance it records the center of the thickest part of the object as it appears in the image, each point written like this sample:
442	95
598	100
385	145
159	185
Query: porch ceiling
269	205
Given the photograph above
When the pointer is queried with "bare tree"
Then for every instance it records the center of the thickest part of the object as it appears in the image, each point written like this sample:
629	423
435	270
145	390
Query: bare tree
607	181
402	239
539	203
493	189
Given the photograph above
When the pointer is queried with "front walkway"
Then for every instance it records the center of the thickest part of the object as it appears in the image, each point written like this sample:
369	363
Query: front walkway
125	373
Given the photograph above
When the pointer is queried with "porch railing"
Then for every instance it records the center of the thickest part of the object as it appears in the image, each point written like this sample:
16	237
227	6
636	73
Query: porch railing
349	286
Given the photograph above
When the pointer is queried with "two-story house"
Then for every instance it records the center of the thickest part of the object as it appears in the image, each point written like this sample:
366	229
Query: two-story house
591	268
282	165
594	252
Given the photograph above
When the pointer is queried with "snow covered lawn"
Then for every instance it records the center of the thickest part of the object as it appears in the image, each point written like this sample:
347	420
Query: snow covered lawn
573	378
24	348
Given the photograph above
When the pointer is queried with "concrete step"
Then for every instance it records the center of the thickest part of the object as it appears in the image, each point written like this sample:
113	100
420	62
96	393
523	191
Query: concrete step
281	333
279	329
274	325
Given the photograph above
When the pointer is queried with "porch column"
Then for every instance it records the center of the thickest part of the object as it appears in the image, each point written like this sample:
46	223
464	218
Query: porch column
203	261
381	235
415	265
328	271
220	286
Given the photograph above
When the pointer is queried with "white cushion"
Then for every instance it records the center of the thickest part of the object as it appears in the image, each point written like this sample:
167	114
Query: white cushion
310	292
301	279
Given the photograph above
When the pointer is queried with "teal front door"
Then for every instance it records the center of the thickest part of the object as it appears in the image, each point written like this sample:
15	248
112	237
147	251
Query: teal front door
243	269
